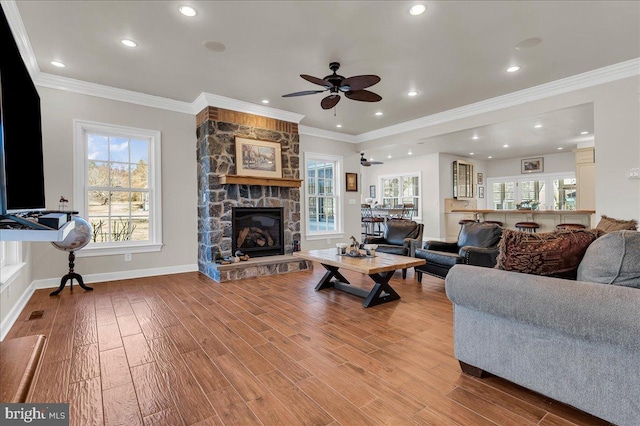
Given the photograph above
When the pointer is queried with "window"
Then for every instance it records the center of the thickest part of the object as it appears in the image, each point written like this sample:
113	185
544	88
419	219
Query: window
10	262
323	212
401	189
117	187
550	192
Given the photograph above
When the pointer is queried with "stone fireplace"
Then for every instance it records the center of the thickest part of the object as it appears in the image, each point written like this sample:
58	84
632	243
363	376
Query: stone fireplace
217	198
257	231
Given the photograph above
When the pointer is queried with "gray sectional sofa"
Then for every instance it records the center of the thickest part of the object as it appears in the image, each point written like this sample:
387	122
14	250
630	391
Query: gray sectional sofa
575	341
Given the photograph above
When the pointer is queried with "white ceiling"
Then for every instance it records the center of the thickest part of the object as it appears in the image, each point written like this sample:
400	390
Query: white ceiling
455	54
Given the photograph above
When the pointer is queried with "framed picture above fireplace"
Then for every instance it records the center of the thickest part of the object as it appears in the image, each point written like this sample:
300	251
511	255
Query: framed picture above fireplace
258	158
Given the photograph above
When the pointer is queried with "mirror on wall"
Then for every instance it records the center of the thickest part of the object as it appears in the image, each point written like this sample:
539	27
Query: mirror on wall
463	183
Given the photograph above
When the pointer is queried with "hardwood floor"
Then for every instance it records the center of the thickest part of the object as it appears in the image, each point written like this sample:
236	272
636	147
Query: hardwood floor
182	349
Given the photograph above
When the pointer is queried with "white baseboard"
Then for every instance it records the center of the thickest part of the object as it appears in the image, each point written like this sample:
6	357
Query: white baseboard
11	318
121	275
13	315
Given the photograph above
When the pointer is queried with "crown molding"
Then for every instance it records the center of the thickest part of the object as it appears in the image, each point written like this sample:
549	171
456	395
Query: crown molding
603	75
209	99
10	9
326	134
108	92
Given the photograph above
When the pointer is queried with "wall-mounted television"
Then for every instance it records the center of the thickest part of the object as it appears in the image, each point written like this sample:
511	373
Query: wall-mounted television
21	161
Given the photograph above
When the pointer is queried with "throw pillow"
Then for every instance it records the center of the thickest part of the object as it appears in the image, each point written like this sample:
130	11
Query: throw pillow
609	224
553	254
613	259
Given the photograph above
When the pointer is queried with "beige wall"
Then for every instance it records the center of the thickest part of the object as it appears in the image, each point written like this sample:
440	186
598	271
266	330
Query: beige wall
179	188
351	164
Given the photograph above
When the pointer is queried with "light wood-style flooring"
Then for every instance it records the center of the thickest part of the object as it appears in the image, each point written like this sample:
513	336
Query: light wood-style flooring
184	350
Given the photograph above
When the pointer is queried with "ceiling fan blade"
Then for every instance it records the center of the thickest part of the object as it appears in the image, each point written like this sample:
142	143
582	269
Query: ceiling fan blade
363	95
304	92
359	82
315	80
330	101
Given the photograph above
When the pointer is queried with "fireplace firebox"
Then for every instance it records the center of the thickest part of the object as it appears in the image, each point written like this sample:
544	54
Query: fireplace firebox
257	231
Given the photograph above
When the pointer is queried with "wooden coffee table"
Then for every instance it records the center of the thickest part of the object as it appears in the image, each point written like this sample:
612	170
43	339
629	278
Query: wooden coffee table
380	268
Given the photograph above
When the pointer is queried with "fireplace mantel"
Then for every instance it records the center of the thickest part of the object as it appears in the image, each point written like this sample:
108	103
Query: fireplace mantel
248	180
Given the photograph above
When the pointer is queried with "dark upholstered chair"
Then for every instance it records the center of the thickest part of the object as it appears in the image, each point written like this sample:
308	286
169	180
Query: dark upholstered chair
400	237
477	245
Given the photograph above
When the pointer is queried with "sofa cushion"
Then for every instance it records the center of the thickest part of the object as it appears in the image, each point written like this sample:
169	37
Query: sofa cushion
609	224
554	254
478	234
613	259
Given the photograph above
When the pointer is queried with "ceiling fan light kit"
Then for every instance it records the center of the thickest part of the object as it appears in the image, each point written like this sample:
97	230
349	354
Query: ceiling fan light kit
352	87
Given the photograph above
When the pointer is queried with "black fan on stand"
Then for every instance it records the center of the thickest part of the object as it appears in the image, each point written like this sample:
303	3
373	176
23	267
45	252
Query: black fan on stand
367	163
352	87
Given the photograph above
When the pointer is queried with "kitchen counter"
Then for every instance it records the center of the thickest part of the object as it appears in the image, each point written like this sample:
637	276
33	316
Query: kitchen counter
548	219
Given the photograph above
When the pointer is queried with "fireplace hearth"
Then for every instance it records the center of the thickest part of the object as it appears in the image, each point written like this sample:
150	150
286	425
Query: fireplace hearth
257	231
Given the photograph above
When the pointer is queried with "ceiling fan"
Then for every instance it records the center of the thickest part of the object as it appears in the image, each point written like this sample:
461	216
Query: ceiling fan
352	87
366	163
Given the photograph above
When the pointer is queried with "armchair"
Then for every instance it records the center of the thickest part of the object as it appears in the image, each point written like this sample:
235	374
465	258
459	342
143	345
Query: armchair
477	245
400	237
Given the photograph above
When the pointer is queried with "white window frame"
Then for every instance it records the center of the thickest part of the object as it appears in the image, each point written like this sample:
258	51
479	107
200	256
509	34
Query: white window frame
10	262
418	174
337	195
547	177
80	178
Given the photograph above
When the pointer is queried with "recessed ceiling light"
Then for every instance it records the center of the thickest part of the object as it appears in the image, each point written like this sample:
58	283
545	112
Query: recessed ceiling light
505	146
417	9
471	153
490	157
409	153
537	126
412	93
559	147
265	101
584	133
214	46
58	64
129	43
379	113
475	137
338	125
389	156
188	11
513	69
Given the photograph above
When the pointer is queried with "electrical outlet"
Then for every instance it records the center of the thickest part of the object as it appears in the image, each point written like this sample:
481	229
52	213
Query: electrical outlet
127	257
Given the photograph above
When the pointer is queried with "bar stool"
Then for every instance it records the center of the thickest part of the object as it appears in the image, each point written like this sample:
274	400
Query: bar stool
497	222
527	226
570	226
370	221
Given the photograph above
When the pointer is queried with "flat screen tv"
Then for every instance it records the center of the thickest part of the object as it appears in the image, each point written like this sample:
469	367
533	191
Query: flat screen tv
21	161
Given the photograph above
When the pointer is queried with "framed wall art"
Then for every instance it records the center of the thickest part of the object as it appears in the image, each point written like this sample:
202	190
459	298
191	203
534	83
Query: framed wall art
480	179
532	165
258	158
480	191
351	180
372	191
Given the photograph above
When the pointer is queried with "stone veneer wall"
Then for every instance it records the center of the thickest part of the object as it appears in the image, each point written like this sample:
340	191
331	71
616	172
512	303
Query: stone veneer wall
216	132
